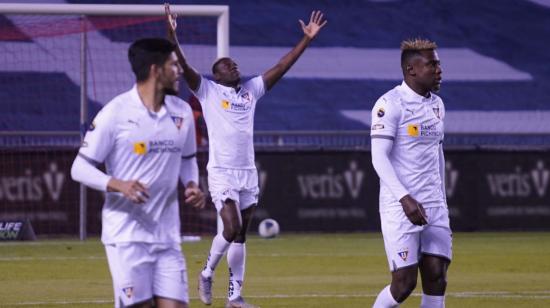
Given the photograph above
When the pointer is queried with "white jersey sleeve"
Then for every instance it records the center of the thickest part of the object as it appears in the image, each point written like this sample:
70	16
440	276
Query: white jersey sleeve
99	139
385	118
202	92
256	85
380	150
189	170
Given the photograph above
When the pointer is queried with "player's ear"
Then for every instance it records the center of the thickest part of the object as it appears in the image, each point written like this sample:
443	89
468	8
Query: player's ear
409	69
154	71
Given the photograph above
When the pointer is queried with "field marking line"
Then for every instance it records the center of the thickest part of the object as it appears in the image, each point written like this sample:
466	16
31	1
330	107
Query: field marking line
272	255
499	294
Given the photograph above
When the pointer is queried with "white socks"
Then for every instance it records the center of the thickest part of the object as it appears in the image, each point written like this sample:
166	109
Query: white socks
385	299
236	257
429	301
219	247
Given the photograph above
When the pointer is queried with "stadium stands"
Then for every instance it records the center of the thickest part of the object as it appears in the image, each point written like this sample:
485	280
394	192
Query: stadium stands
494	57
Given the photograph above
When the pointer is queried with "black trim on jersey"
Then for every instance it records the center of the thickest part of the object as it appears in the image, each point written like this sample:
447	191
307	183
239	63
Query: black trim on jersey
189	156
91	161
382	137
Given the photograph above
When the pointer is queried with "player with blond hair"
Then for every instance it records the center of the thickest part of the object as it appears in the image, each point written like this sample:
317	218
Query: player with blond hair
407	153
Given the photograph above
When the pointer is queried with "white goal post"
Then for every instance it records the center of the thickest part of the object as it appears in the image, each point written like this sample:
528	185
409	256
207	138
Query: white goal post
220	12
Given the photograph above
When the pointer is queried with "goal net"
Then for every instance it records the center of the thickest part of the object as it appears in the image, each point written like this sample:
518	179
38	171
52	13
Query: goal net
59	64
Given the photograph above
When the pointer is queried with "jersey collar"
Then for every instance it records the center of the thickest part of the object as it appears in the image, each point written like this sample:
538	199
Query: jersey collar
412	96
136	101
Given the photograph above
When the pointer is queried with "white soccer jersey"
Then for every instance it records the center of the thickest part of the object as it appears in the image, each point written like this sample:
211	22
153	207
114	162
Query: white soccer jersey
229	116
415	124
137	144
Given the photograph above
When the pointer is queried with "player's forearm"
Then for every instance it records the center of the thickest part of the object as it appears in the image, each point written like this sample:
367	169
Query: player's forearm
287	61
442	171
189	172
191	76
84	172
380	149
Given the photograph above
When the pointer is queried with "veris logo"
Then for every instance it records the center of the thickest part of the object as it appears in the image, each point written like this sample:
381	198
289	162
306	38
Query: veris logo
262	178
519	183
331	185
54	181
31	187
451	178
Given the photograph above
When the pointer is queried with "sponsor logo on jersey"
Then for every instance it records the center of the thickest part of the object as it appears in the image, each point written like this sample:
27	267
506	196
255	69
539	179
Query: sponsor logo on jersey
226	104
133	122
140	148
178	121
413	130
381	112
403	254
377	126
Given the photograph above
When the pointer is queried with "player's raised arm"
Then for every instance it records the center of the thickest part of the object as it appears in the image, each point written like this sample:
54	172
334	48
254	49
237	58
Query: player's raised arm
316	22
189	73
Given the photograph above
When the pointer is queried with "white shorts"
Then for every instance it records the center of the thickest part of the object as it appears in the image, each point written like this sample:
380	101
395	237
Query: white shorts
142	270
405	243
239	185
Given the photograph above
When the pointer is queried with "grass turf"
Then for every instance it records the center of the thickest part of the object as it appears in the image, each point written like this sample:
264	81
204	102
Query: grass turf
294	270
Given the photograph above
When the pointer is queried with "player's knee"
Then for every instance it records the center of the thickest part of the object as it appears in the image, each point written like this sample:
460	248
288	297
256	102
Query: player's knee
231	232
402	288
438	281
240	238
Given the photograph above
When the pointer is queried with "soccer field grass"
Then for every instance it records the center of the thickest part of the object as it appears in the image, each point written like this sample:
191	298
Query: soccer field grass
294	270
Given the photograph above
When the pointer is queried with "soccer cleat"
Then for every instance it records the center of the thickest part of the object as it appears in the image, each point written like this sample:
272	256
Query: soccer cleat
239	303
205	289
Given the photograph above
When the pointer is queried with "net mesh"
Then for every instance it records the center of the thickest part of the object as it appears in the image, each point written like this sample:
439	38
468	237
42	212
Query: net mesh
40	79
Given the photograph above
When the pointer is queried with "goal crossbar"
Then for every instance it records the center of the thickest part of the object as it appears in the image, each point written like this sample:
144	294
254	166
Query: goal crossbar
219	11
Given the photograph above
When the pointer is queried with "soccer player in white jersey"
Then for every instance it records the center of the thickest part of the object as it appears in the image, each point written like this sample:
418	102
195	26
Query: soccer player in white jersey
146	137
228	106
407	154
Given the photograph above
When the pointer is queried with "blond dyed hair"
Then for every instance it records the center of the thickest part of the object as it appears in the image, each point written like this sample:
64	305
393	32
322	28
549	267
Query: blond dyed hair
418	44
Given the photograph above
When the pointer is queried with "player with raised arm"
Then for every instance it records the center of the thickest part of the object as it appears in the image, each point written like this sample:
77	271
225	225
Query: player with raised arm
228	105
407	153
146	137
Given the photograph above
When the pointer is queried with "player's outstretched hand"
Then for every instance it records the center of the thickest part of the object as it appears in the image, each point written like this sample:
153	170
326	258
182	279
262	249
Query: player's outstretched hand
171	23
414	210
316	22
195	197
132	190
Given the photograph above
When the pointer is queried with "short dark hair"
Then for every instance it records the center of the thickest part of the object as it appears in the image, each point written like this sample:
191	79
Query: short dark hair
145	52
413	47
216	64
